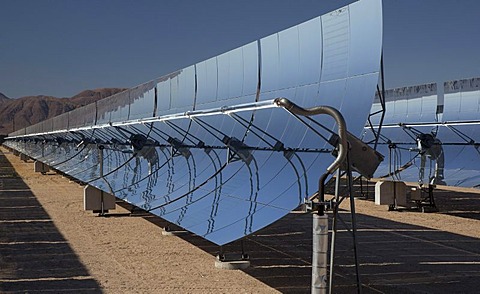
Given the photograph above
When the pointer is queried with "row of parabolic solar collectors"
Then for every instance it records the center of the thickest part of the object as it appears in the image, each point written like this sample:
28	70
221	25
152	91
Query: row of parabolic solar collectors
450	114
220	194
457	100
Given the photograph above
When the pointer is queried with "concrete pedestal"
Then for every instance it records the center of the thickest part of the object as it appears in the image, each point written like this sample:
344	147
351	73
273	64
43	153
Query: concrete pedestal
233	262
24	157
391	193
97	200
416	194
232	265
40	167
168	232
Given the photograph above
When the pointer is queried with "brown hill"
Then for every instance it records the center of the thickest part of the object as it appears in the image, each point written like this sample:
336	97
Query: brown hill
25	111
3	98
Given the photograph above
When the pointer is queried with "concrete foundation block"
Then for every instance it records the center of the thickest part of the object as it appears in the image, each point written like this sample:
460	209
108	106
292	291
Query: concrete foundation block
390	193
40	167
24	157
232	265
93	197
167	232
416	194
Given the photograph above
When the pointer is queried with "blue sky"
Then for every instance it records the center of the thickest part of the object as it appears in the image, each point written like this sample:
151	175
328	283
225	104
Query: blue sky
61	47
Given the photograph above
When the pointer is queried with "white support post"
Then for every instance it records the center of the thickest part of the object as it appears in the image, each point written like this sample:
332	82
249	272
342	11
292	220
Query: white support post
319	258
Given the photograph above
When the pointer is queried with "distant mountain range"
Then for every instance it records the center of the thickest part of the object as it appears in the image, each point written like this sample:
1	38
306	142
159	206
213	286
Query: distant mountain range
25	111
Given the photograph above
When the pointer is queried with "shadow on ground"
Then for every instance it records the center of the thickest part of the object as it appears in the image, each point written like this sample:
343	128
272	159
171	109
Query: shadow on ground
34	256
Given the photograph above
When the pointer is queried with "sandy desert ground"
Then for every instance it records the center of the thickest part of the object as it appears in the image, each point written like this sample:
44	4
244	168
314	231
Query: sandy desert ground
48	244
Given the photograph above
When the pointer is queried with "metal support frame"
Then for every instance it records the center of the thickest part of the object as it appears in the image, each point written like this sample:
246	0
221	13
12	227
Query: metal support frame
382	98
347	147
320	232
225	257
427	203
353	230
232	261
102	211
319	207
345	189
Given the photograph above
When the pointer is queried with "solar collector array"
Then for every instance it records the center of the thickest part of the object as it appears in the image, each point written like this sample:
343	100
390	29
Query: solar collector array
226	174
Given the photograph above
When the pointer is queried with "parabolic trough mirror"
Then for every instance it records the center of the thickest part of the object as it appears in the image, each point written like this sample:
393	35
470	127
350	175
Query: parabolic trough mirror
430	133
207	147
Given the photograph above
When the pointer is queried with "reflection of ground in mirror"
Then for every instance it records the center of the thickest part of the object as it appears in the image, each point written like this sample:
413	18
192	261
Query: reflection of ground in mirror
34	256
